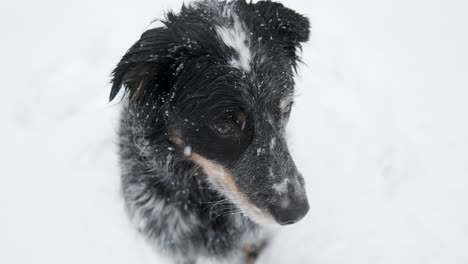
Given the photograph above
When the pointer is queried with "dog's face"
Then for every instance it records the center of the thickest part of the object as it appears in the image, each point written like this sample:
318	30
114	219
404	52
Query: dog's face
217	82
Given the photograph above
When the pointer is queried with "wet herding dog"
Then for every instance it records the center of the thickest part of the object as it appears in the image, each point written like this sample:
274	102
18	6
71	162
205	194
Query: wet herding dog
203	153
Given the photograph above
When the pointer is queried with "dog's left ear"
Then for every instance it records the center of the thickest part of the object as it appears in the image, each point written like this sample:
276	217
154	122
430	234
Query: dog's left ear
286	26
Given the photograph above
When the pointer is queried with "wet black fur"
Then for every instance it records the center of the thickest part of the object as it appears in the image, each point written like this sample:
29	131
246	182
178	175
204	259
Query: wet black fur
179	82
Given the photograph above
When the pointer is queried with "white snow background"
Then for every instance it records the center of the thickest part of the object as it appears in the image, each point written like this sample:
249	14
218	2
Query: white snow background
379	130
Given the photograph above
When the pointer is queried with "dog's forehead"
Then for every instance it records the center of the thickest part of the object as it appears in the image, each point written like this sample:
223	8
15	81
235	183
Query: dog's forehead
233	33
265	76
252	55
249	48
237	64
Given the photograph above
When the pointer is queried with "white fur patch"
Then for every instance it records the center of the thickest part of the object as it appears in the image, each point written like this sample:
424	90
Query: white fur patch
187	151
235	36
282	187
272	143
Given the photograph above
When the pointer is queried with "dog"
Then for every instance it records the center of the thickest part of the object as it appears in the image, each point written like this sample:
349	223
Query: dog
205	165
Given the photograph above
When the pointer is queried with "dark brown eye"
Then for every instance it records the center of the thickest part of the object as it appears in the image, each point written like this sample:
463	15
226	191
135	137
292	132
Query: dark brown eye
225	129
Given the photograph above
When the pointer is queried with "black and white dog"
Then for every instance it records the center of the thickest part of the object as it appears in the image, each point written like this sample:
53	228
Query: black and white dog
203	153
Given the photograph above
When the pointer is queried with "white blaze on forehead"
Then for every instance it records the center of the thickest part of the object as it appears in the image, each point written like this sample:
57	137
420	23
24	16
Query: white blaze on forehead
235	36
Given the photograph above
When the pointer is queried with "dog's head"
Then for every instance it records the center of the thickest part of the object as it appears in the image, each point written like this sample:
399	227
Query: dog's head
217	81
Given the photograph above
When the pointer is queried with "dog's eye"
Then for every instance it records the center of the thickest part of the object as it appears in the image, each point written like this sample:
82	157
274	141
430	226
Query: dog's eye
286	109
225	129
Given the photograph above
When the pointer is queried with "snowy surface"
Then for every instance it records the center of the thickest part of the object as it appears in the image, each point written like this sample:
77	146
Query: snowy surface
380	131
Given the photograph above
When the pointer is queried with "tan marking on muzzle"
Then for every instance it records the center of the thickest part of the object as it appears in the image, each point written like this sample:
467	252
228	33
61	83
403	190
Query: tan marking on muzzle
220	177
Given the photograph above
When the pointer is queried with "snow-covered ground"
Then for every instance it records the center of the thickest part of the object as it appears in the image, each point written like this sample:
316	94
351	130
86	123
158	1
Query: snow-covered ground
380	131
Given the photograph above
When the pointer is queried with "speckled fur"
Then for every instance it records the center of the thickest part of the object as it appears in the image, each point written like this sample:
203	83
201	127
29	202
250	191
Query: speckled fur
166	107
177	212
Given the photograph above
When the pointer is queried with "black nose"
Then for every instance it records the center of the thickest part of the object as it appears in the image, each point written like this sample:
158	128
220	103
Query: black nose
289	212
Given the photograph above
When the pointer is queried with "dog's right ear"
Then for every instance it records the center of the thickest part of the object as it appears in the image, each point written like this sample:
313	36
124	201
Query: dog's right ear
145	65
287	24
287	28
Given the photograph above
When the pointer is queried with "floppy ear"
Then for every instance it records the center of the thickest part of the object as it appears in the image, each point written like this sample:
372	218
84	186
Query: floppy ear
133	76
288	28
146	64
287	24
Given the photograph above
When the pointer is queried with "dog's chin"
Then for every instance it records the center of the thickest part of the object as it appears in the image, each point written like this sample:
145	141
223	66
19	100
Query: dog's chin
255	214
261	218
248	209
